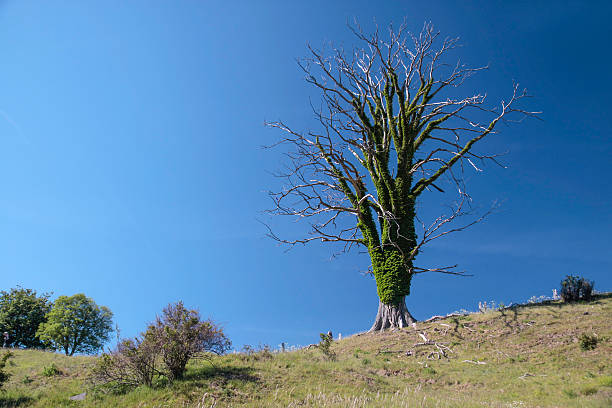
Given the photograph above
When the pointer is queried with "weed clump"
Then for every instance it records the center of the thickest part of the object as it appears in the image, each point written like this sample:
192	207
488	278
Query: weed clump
51	371
606	381
588	341
588	390
325	346
256	353
575	288
570	393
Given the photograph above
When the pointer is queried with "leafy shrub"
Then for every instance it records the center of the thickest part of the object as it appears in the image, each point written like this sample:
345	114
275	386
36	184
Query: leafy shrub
162	352
575	288
51	371
325	346
4	376
132	363
588	341
180	334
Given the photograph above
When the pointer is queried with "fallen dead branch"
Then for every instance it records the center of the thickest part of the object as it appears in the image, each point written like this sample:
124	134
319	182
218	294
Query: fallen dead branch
442	350
474	362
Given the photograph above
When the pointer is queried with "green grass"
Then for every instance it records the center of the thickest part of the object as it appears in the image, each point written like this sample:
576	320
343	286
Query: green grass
530	356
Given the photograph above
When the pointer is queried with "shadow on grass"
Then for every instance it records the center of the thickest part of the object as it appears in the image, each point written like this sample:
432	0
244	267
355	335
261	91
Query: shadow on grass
601	296
220	373
214	381
455	332
512	322
10	401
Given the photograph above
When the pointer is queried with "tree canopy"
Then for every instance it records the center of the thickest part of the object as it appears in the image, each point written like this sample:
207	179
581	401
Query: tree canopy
76	324
22	311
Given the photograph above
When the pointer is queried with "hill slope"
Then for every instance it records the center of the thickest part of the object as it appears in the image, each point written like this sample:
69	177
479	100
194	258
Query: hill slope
529	356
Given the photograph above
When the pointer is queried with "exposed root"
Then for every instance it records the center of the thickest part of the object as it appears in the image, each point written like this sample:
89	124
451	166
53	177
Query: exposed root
392	317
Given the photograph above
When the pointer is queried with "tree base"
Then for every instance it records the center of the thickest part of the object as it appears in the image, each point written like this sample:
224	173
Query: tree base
392	317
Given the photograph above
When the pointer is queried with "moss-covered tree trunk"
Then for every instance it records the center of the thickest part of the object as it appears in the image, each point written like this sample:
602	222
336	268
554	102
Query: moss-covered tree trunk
391	257
393	278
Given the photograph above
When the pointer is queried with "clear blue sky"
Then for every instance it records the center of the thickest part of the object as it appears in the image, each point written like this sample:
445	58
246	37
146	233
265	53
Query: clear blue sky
130	167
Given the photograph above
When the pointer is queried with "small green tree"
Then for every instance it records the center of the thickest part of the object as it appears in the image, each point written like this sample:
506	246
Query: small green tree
21	312
325	346
76	324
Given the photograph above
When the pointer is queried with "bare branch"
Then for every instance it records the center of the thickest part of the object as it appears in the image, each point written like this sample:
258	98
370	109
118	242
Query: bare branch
392	124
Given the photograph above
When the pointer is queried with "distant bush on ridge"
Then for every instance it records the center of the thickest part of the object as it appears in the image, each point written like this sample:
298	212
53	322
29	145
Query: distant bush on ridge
575	288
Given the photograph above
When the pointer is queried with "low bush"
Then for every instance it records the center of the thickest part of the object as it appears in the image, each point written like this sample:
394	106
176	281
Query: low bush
164	350
256	353
588	341
132	363
180	334
51	370
575	288
325	346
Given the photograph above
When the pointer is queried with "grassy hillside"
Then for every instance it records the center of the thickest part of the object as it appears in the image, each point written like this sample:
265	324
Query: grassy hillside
530	356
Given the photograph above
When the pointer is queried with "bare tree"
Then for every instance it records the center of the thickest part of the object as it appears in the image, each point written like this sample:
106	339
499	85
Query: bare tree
391	129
